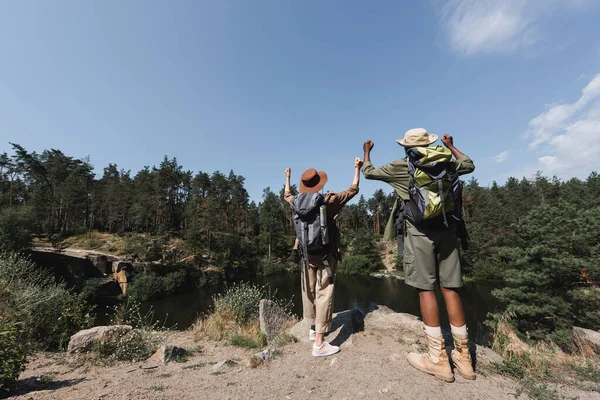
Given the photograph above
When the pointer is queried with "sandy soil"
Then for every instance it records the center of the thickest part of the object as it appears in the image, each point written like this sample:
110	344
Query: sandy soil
371	365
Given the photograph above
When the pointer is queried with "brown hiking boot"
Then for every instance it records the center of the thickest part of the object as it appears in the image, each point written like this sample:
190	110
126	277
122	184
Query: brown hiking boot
435	361
461	357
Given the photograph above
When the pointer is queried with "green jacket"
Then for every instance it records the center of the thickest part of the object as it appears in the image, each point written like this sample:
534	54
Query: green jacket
396	174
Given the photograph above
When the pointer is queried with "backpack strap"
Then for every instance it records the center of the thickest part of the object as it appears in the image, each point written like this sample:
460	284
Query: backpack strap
442	196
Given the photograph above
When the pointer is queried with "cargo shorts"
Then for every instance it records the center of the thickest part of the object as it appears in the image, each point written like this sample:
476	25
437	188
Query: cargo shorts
430	256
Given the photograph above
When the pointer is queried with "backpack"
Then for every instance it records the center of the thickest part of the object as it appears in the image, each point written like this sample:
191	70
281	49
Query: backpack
310	222
434	187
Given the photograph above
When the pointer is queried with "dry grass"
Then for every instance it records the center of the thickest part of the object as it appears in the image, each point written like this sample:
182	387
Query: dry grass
222	325
535	366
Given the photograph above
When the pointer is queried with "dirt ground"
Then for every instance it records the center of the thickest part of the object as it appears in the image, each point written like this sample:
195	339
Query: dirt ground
371	365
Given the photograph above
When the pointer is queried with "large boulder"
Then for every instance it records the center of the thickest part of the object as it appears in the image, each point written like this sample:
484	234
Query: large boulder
82	341
273	319
587	341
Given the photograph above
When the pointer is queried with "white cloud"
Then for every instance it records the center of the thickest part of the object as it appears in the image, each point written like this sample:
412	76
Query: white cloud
491	26
500	158
568	135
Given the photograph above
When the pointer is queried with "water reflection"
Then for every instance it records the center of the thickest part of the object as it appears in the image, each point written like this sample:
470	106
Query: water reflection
351	292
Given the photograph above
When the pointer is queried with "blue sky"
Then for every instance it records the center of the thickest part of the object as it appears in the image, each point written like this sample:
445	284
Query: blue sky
257	86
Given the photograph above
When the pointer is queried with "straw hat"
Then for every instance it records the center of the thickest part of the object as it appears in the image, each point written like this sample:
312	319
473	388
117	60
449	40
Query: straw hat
417	137
312	181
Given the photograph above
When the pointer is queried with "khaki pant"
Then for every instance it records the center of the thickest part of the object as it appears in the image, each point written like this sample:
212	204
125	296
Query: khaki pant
317	292
430	256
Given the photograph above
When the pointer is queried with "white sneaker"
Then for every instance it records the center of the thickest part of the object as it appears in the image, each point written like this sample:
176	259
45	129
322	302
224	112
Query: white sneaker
312	335
325	350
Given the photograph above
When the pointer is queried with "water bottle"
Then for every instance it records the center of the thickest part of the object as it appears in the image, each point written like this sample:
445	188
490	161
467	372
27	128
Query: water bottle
323	222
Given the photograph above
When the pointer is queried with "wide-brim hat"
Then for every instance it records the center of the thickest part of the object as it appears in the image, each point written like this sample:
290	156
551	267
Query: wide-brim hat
417	137
312	181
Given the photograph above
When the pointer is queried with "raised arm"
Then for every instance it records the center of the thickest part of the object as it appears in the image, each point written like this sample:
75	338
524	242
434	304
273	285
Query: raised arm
387	173
357	164
287	194
464	165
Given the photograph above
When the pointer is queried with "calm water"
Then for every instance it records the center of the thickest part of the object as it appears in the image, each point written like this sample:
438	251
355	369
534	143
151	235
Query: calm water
351	291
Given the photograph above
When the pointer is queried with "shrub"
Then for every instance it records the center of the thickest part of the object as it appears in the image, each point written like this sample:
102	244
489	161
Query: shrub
12	356
14	229
269	267
151	286
357	265
49	312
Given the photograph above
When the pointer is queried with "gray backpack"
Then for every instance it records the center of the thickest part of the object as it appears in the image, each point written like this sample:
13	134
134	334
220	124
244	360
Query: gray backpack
310	221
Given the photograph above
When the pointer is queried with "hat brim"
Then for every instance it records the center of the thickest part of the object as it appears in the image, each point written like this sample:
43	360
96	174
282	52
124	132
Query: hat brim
312	189
432	139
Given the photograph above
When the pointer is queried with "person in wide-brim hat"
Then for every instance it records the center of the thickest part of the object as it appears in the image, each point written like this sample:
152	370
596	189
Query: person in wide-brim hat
312	181
319	265
417	137
431	257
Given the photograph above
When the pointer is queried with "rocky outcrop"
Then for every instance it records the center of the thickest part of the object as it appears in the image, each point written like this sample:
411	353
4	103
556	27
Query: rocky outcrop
82	341
587	342
343	325
406	328
273	319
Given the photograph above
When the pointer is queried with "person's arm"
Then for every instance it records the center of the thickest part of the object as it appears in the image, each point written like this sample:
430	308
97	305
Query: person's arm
464	165
385	173
357	165
287	194
337	200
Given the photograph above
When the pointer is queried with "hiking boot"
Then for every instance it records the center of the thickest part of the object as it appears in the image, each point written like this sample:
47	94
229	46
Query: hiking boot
312	335
435	361
325	350
461	357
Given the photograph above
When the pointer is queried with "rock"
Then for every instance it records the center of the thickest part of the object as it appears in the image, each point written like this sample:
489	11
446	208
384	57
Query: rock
166	353
224	363
101	262
485	356
265	355
260	357
344	325
272	318
82	341
384	318
587	341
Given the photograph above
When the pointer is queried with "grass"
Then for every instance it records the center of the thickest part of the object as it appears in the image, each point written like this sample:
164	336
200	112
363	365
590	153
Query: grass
157	388
534	367
247	342
48	378
164	376
195	367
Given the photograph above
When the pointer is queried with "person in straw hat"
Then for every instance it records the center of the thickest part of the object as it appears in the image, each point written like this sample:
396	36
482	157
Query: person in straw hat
318	278
430	254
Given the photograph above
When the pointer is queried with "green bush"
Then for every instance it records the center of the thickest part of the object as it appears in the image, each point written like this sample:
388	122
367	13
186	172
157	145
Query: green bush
364	258
15	233
13	356
49	312
357	265
270	267
243	300
151	286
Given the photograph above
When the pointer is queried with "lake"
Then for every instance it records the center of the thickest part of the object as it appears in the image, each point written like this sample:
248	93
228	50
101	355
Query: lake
361	292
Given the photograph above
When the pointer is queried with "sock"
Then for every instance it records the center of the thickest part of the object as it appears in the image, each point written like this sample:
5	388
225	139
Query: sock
318	347
435	331
459	330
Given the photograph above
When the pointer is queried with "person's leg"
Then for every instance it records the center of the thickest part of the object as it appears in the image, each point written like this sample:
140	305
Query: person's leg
429	308
309	281
454	306
450	280
420	272
324	309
